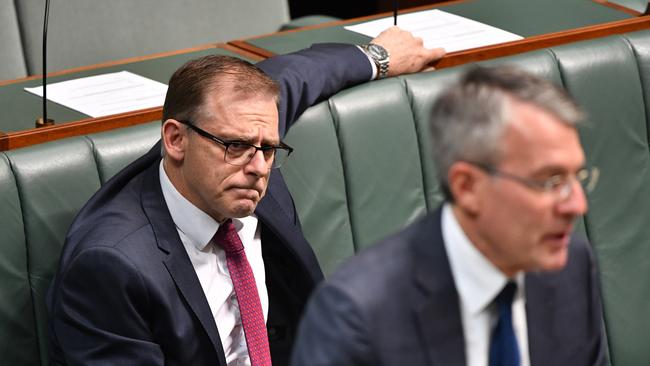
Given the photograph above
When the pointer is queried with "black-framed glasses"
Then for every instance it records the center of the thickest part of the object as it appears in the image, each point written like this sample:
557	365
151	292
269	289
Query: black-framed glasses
560	185
241	152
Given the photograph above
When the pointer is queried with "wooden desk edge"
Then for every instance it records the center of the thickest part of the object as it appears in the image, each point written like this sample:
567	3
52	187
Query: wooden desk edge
543	41
514	47
14	140
244	45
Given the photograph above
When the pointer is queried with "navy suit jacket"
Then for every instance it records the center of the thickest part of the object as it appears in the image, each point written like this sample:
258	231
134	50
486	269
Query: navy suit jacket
396	304
126	293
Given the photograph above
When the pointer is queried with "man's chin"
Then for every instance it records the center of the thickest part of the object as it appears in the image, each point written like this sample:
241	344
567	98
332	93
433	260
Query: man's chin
556	261
244	208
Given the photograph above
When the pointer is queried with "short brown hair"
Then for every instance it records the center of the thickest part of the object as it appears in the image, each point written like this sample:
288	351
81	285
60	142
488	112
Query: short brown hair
192	82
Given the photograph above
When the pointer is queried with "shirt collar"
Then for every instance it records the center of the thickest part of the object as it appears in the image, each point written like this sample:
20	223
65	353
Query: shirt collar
198	226
477	280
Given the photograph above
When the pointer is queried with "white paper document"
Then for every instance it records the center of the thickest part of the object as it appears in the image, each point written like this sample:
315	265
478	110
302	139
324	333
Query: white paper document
106	94
440	29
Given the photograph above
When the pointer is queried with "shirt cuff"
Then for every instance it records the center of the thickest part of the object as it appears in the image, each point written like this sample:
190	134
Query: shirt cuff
372	64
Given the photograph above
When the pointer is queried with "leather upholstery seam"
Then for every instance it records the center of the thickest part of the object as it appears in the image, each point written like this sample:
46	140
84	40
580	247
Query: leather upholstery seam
32	296
419	136
348	198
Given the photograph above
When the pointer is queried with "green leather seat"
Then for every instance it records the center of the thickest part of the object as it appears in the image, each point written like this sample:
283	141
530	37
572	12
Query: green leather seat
12	58
616	140
112	155
86	32
54	181
376	131
42	188
321	190
18	338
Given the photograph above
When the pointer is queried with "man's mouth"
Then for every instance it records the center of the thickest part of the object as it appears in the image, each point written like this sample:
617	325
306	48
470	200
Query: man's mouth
559	239
248	191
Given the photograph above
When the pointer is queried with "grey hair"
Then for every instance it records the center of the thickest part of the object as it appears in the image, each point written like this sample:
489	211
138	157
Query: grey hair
468	119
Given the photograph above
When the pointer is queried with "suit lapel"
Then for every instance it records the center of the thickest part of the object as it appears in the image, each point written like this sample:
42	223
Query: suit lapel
436	306
177	261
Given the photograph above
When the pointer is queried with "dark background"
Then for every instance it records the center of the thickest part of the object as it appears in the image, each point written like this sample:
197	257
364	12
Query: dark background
349	8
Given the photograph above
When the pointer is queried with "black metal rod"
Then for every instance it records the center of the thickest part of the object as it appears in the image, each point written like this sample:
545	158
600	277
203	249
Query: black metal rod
46	17
395	7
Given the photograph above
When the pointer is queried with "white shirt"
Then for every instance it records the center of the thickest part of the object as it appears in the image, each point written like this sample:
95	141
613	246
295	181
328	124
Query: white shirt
478	282
196	229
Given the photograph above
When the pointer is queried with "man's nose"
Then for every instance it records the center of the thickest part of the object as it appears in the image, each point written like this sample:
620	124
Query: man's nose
258	164
576	202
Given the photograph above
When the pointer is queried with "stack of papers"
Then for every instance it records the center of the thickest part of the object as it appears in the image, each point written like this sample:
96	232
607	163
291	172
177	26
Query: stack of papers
104	95
440	29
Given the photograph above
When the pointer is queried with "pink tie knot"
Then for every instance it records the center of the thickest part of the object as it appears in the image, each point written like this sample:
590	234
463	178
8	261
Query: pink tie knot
227	238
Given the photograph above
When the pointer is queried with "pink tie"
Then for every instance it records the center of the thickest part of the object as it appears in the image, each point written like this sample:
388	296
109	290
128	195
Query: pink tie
250	307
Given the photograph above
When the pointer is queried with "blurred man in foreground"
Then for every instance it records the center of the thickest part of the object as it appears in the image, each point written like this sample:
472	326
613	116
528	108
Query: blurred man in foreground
494	276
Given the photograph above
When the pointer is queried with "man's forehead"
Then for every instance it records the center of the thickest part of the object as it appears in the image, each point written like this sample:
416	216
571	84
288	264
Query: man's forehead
533	135
532	122
231	95
220	100
242	116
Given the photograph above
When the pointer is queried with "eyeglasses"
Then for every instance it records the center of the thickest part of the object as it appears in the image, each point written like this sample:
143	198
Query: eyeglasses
560	185
241	153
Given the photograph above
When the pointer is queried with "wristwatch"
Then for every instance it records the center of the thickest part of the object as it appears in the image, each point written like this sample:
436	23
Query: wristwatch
380	56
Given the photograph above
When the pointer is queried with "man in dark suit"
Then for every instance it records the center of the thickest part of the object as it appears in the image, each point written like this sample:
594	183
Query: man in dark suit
493	277
148	277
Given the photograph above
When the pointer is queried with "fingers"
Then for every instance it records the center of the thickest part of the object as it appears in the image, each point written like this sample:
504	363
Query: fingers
407	53
435	54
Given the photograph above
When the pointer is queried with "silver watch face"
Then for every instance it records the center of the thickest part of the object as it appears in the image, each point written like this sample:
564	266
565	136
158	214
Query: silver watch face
377	51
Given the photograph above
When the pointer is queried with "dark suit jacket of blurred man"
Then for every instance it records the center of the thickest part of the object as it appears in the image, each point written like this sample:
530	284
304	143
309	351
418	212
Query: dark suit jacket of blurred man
397	304
126	292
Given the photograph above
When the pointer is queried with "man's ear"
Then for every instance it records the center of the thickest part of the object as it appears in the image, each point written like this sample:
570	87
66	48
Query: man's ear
174	139
465	183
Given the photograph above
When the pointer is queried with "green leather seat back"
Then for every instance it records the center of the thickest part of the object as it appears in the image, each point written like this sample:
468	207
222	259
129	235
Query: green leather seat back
12	59
315	176
604	77
54	180
49	184
85	32
640	43
18	342
381	159
363	159
423	89
115	149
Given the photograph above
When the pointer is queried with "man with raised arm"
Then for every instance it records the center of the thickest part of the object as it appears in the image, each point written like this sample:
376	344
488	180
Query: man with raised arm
196	257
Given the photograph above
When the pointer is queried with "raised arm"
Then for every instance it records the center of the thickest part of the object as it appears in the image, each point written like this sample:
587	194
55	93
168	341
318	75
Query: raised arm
311	75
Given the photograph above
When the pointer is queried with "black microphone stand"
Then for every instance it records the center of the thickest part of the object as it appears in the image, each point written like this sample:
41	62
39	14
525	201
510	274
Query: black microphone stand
395	8
44	121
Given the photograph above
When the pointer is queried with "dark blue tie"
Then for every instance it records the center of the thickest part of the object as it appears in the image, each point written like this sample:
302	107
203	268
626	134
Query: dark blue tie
503	346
